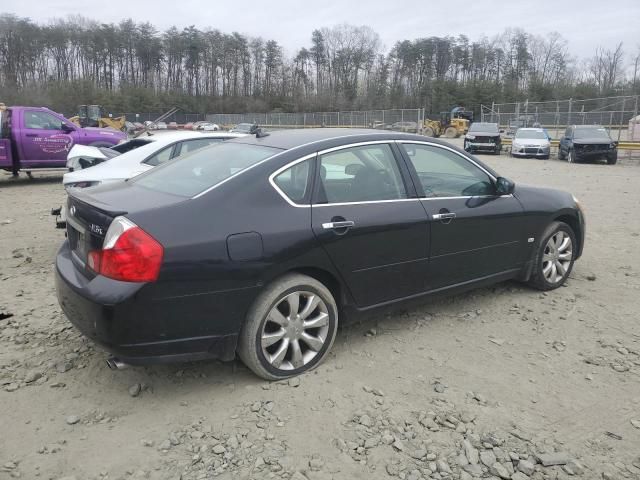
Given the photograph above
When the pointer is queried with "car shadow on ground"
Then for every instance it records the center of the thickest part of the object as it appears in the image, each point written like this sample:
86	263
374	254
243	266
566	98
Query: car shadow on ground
7	181
169	381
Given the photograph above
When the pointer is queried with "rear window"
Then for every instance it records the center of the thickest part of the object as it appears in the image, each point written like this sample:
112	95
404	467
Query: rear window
196	172
124	147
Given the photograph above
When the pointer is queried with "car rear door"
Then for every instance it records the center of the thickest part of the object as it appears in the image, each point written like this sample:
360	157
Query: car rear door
475	232
366	216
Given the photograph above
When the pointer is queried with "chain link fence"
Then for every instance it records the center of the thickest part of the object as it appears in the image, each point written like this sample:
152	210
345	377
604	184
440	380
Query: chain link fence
614	113
401	119
409	120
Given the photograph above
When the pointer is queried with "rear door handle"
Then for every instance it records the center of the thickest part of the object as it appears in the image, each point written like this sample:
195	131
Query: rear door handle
444	216
338	225
31	135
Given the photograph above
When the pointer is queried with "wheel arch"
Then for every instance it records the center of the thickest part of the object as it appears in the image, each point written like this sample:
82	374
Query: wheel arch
574	224
328	279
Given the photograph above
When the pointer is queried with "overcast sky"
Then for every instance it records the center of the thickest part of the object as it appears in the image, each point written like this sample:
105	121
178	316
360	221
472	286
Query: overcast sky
586	24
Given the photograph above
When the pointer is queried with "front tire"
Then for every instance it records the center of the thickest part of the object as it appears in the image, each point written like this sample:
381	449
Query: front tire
289	329
612	159
554	257
571	156
561	155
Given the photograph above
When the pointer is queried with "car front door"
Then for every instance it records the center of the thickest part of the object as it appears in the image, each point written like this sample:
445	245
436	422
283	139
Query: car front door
565	143
475	232
44	139
369	221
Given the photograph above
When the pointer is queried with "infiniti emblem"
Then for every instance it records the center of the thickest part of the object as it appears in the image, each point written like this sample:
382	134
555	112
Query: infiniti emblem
72	210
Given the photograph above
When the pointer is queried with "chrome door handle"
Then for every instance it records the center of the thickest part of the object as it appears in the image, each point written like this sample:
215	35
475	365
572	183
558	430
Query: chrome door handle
334	225
444	216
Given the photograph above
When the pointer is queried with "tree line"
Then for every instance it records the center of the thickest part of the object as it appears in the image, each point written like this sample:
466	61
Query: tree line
132	66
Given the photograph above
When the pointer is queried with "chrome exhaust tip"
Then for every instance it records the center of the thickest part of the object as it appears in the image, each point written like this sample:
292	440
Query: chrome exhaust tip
114	364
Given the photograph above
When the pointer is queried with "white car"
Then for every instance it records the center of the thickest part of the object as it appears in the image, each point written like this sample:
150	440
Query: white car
209	127
158	149
531	142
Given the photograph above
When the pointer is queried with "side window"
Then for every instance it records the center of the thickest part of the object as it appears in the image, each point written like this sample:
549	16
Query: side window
193	145
360	174
41	121
294	182
444	173
568	133
159	158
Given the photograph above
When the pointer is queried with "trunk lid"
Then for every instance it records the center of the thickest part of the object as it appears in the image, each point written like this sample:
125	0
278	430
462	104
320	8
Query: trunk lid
91	211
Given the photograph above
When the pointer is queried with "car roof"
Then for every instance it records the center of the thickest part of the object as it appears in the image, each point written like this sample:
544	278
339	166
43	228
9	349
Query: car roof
532	129
169	137
588	126
289	139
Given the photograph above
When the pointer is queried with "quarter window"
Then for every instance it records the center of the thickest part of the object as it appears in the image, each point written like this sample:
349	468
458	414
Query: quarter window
360	174
444	173
161	157
294	182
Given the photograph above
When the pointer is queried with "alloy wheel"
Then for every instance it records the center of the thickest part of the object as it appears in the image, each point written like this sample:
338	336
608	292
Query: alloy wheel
295	330
557	256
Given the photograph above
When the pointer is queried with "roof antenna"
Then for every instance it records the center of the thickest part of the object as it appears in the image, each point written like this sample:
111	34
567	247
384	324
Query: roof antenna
257	131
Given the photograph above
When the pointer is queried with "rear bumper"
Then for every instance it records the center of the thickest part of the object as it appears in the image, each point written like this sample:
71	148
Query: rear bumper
125	320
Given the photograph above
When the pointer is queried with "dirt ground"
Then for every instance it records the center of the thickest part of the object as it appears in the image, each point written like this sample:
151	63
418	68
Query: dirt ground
482	384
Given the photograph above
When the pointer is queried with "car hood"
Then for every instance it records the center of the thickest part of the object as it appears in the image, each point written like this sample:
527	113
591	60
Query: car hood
85	151
533	198
483	134
538	142
592	140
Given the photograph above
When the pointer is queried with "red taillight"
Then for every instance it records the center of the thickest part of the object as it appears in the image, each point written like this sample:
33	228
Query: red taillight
130	254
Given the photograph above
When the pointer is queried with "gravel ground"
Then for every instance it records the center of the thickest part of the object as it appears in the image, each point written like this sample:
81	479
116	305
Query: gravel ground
501	382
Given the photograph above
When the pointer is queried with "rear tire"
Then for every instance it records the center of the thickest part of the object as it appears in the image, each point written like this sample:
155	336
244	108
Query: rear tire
561	156
277	342
553	259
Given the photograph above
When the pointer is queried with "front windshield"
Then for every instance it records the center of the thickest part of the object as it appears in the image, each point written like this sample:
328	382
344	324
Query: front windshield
484	128
582	133
194	173
534	134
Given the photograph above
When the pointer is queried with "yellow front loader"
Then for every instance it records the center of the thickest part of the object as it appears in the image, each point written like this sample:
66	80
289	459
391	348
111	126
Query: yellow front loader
92	116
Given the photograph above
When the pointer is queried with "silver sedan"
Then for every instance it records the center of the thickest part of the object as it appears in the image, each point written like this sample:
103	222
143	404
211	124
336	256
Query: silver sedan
531	142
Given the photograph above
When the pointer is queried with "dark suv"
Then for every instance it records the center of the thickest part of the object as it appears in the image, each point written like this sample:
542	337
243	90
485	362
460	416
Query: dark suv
587	142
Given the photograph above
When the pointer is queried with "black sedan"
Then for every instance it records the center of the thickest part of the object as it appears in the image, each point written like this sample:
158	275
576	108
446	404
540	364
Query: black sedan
262	245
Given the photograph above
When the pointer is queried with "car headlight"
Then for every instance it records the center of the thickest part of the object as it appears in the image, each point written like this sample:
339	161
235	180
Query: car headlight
470	137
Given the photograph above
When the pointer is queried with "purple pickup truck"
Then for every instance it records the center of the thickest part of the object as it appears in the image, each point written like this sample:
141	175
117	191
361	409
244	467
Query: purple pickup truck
34	138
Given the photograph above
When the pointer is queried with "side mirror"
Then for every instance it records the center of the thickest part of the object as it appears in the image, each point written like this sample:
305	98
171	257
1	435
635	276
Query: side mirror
504	186
66	128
